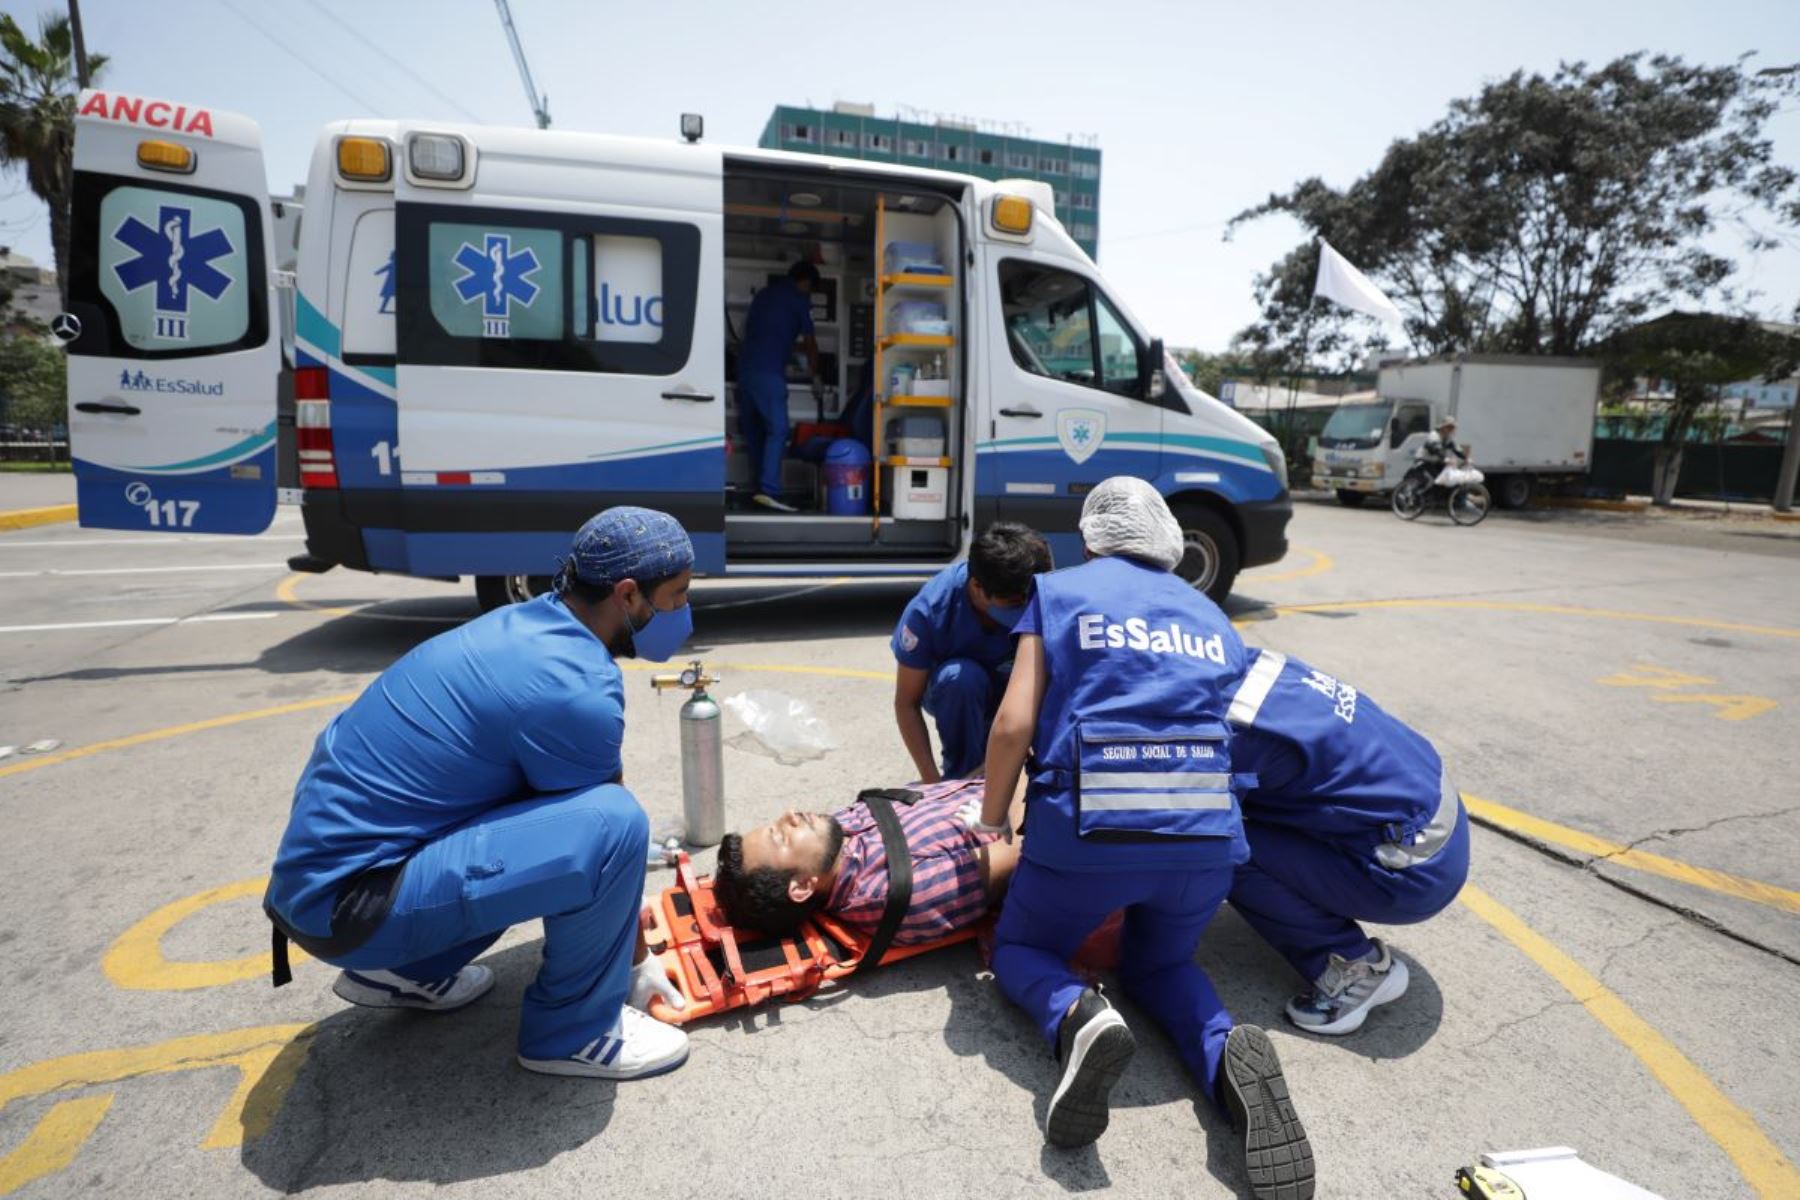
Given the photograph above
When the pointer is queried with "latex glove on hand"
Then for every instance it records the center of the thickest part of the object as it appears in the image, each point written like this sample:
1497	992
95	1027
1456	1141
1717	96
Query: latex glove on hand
648	980
970	815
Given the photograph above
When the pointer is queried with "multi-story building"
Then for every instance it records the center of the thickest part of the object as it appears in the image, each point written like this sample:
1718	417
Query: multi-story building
854	131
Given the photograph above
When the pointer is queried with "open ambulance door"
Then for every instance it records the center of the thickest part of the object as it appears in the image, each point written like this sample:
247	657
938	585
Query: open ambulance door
173	355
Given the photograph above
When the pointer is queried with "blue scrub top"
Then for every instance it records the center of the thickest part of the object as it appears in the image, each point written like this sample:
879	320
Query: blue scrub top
941	624
778	316
522	701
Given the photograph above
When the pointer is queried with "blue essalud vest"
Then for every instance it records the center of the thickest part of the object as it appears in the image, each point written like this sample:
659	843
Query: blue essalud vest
1330	761
1132	758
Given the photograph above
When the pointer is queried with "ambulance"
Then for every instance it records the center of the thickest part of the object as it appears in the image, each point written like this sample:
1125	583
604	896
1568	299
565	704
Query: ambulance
498	332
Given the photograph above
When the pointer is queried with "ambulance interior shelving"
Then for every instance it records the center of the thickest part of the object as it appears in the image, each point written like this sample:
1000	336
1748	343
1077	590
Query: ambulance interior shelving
888	315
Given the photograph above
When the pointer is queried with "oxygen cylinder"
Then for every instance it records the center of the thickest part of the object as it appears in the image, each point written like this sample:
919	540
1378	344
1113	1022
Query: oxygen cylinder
702	770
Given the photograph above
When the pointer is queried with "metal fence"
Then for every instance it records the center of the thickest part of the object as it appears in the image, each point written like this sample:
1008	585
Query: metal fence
32	451
1709	471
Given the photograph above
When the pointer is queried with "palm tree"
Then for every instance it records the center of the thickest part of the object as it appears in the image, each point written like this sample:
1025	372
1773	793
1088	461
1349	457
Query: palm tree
37	119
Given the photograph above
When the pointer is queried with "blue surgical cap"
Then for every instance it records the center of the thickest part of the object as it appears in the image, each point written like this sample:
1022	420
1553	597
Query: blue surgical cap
629	543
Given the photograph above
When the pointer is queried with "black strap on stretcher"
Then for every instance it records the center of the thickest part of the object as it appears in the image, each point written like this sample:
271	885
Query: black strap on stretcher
880	803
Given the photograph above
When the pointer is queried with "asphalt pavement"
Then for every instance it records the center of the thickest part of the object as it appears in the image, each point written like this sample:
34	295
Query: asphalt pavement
1616	694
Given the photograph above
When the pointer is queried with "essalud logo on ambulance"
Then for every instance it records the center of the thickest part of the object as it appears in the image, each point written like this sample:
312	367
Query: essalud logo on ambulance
1095	632
176	260
1080	430
498	278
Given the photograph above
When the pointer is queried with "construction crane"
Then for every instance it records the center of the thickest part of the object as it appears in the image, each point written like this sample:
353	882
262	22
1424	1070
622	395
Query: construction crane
540	105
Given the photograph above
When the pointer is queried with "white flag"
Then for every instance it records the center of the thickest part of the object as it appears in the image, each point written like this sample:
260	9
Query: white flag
1338	280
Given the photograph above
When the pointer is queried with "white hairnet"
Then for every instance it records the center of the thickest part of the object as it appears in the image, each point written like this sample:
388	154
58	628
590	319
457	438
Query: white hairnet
1125	515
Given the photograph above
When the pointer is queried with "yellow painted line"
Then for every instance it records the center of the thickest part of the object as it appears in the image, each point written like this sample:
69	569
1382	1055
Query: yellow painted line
26	518
1762	1165
1734	886
156	735
1558	610
135	959
1731	708
1321	563
267	1058
52	1146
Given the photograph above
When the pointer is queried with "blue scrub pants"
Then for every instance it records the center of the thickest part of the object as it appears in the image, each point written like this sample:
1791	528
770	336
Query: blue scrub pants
1049	913
963	696
577	860
1305	896
763	420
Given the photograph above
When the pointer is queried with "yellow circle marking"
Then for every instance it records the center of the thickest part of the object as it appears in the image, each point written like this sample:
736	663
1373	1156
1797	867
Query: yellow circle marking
135	961
1321	563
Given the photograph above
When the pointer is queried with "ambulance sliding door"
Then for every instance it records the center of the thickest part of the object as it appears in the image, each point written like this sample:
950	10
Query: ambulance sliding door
560	327
172	358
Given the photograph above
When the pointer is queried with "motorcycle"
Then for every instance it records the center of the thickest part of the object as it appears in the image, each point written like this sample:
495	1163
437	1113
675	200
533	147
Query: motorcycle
1464	495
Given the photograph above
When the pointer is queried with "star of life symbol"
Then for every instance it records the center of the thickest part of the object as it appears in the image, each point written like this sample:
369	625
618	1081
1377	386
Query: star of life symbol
1080	431
176	261
497	277
386	274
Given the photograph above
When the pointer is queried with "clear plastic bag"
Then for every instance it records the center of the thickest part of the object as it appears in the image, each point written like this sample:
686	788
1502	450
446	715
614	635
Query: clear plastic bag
785	728
1452	476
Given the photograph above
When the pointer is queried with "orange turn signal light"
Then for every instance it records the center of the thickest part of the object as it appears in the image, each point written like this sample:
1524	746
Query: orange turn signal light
158	155
1011	214
364	159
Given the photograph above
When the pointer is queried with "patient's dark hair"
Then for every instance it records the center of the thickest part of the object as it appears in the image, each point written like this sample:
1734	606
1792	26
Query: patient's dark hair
1005	557
757	899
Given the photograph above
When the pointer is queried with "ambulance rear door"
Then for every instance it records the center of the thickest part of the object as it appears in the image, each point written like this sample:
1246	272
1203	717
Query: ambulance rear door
561	301
173	352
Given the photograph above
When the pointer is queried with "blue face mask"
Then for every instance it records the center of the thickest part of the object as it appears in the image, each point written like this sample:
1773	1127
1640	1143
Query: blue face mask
1005	615
657	639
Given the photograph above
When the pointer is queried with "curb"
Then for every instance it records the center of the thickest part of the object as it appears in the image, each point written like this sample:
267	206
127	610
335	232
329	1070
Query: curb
25	518
1624	506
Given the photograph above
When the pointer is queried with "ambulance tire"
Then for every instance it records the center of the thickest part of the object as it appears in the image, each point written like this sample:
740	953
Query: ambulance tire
497	591
1350	499
1211	557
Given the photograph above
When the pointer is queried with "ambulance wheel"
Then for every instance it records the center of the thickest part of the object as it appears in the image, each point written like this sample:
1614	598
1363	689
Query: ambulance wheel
1350	499
497	591
1209	558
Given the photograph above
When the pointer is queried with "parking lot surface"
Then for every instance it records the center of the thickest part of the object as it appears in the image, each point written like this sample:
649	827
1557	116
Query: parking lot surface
1616	695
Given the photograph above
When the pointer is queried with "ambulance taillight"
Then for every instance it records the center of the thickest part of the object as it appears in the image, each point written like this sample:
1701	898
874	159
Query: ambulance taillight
312	428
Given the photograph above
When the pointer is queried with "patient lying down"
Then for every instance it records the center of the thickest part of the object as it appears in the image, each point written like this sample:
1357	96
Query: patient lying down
776	874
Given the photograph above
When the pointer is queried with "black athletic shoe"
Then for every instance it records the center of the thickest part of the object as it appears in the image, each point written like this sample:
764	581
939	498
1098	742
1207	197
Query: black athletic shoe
1277	1156
1094	1047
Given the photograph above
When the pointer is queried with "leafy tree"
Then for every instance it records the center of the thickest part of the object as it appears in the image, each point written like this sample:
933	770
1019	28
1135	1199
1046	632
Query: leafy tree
33	382
1208	371
37	118
1697	353
1545	213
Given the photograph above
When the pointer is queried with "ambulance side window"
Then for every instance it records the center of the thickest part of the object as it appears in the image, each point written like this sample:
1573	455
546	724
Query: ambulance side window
1059	325
545	291
170	272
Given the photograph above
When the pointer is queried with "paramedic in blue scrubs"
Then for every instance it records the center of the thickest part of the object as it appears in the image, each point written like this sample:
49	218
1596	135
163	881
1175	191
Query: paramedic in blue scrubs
1351	817
476	785
954	647
1119	694
780	315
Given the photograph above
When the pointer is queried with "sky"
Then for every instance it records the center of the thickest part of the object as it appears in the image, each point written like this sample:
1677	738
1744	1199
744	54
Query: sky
1200	109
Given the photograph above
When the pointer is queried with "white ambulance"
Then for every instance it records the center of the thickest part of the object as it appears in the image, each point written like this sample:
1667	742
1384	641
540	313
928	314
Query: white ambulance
499	332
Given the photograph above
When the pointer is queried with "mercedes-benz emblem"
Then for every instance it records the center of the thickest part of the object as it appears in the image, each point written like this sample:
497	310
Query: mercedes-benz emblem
65	327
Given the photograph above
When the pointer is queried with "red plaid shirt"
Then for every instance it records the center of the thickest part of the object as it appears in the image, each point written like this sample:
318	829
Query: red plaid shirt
947	892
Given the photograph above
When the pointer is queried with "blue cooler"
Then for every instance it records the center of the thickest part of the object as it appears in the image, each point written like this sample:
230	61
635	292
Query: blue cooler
847	492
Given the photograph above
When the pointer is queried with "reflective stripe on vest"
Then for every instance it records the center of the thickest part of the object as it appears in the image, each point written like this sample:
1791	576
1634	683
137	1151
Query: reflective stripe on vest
1428	841
1255	689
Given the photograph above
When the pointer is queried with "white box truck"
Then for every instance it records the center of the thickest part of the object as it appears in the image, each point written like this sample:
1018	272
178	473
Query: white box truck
1522	420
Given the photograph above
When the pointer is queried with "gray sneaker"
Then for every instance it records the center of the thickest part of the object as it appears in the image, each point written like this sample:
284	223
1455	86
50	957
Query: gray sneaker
1339	1002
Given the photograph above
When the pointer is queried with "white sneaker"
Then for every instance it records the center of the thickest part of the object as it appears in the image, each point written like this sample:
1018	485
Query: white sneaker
1340	1001
384	989
764	500
638	1047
